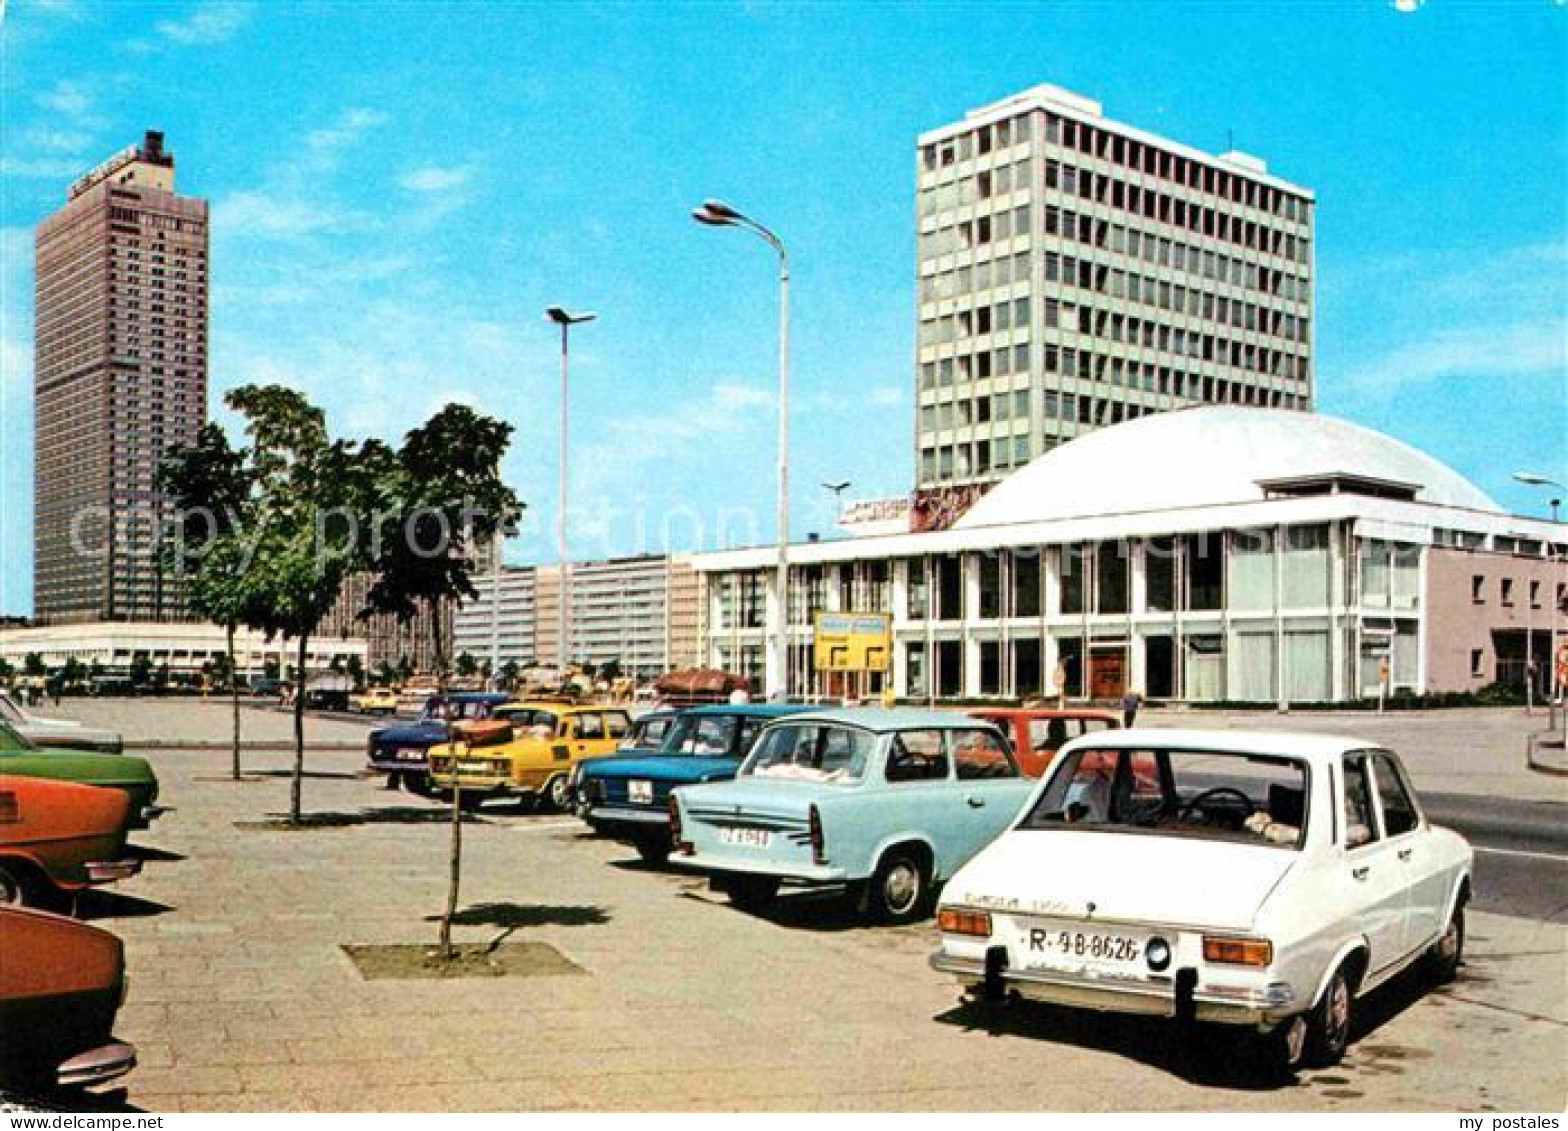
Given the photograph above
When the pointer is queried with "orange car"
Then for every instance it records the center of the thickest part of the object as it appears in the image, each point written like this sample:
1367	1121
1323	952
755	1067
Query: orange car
61	984
58	837
1037	733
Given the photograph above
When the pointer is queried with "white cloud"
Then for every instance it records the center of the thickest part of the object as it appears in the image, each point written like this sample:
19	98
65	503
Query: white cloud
1499	316
207	24
326	144
434	178
66	97
1491	350
41	168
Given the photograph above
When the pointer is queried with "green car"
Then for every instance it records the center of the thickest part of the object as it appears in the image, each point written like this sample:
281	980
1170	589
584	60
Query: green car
114	771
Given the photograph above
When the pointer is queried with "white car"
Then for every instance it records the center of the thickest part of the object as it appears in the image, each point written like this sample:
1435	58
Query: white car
1266	880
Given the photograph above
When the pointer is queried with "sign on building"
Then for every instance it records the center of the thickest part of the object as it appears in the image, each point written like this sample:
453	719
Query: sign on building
853	642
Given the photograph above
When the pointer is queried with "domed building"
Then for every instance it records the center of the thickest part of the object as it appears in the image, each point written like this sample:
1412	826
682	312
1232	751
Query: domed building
1206	554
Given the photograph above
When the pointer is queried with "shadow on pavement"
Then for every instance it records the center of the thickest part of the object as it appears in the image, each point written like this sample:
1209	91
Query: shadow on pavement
112	1100
97	903
514	916
399	815
1215	1056
314	775
146	852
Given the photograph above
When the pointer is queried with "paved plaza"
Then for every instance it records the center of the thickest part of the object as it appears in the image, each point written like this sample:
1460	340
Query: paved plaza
241	998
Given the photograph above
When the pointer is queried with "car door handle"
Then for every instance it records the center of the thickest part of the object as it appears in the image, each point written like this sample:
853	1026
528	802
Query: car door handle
976	802
1404	853
1361	872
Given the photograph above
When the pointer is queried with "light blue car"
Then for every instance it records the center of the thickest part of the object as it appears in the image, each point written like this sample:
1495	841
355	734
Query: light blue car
885	804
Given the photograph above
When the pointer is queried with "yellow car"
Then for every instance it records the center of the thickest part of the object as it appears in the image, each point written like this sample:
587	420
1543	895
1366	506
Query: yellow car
533	755
376	701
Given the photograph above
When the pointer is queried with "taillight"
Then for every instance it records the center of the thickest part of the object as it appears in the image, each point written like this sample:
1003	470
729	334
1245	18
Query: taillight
819	847
958	922
1237	951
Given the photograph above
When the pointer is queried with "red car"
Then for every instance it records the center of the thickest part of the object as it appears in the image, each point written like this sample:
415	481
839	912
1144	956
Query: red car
61	984
1037	733
58	837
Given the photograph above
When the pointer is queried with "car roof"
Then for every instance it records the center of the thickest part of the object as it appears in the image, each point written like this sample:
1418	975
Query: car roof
1309	747
479	696
883	720
750	710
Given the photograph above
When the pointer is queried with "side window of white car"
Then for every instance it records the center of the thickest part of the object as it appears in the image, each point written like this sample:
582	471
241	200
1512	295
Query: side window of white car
1399	811
1360	824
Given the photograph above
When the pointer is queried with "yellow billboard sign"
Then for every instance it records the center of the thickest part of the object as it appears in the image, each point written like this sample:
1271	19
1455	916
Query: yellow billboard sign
853	642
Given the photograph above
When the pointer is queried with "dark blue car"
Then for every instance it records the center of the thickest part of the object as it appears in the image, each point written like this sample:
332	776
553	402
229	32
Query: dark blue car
627	796
402	752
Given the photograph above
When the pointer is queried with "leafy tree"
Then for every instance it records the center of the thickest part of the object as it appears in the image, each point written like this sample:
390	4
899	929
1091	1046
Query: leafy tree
209	484
386	674
311	491
141	670
509	672
467	665
33	664
439	500
270	669
356	670
610	670
7	669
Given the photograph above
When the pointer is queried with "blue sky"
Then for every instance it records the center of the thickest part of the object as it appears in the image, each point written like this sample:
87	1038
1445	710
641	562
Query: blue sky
399	190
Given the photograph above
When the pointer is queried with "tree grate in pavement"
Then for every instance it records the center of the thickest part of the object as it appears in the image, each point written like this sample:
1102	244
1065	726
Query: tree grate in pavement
469	960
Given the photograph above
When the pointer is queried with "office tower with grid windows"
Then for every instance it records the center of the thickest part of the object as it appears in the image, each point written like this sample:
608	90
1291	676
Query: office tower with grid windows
120	376
1075	272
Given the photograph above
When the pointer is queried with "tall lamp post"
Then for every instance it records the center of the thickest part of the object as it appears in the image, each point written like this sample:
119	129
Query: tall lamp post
565	320
1560	689
716	213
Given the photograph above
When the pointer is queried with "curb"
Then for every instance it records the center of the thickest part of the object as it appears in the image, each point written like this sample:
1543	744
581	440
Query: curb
1556	766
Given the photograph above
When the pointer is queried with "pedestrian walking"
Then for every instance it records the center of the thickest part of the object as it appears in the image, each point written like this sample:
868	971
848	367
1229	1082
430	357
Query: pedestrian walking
1130	704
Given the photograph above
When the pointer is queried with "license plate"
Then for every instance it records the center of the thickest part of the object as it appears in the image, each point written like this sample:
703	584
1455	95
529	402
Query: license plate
1073	948
749	838
410	755
640	792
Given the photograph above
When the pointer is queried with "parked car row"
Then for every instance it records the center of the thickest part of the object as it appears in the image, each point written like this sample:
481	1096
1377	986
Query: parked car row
65	815
1261	880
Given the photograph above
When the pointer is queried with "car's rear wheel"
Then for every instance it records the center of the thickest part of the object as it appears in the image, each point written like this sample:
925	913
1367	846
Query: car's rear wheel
418	785
1443	960
900	891
1328	1024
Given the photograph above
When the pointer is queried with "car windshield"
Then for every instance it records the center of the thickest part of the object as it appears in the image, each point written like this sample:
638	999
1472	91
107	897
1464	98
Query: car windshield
647	732
817	752
1246	798
530	722
701	734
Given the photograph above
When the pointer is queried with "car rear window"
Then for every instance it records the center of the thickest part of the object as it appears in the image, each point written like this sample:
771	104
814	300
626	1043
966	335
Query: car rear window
1256	799
834	755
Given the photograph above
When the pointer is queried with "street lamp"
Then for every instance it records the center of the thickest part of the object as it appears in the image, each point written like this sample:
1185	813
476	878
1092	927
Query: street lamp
565	320
717	214
1532	479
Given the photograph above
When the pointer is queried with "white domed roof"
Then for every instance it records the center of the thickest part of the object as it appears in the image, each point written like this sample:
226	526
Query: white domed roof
1207	456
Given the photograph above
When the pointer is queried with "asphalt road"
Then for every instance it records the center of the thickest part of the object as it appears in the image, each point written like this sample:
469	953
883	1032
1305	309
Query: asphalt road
1521	851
